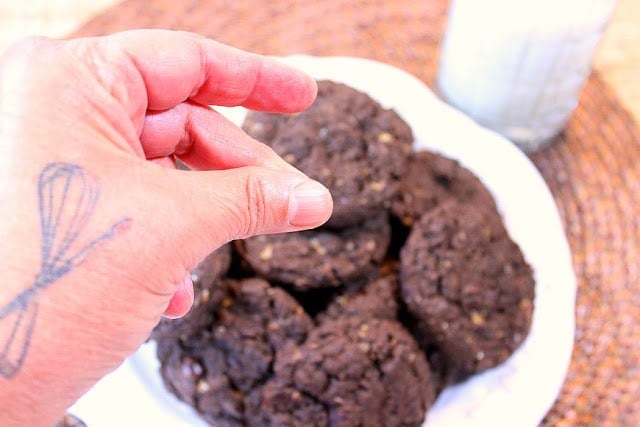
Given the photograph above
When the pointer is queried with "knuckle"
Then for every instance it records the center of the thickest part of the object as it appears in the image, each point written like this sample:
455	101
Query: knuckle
110	66
102	70
255	210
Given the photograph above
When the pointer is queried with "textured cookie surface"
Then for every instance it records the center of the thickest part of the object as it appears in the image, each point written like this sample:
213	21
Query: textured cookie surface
377	299
351	371
319	258
347	141
430	179
468	287
217	367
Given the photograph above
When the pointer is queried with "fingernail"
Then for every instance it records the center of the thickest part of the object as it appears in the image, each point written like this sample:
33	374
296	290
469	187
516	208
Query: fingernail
310	204
181	301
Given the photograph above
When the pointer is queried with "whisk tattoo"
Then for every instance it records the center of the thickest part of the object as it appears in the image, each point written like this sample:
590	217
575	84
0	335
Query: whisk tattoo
67	197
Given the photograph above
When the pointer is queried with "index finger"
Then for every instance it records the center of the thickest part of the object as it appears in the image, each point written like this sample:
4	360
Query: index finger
176	66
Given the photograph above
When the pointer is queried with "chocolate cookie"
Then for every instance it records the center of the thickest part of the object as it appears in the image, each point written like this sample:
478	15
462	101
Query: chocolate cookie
204	276
321	257
376	299
216	368
351	371
430	179
467	286
347	141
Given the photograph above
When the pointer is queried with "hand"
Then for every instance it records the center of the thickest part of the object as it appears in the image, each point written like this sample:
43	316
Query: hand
99	229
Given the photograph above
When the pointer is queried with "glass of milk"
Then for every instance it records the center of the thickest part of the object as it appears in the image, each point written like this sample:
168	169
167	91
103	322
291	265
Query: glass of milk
518	66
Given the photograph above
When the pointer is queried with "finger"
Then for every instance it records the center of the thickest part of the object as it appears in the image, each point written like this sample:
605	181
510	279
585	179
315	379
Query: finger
204	140
176	66
214	207
181	301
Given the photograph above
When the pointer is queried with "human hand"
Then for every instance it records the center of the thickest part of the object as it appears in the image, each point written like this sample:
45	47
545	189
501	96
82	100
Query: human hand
99	229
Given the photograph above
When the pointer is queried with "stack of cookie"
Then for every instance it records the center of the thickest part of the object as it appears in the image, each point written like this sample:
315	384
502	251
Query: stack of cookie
411	285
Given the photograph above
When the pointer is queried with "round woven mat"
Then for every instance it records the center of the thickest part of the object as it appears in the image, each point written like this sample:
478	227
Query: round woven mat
593	169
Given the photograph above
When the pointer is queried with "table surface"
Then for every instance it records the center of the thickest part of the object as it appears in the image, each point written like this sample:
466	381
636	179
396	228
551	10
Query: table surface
618	57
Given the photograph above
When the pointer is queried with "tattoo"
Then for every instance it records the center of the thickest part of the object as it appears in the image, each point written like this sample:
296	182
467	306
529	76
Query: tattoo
67	197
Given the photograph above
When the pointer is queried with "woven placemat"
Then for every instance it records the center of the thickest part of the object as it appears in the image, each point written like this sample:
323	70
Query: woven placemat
593	169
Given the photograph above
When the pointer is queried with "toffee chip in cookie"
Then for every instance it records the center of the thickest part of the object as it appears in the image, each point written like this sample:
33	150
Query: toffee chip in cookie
467	286
321	257
348	142
215	369
351	371
431	179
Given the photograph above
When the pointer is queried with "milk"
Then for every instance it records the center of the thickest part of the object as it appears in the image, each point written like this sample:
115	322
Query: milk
518	66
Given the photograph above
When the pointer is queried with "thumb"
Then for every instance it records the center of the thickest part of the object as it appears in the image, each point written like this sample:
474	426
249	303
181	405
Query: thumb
180	217
209	208
219	206
243	202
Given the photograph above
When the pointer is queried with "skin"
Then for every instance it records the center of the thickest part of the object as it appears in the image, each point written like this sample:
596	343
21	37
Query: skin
113	113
